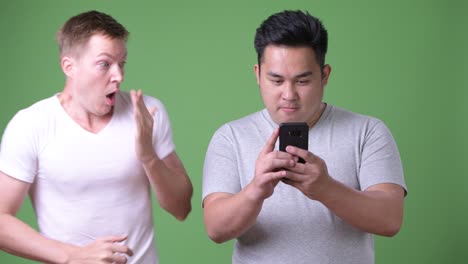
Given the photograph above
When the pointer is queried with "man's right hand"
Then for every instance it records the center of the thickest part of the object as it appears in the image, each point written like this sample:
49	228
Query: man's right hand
103	250
269	168
228	215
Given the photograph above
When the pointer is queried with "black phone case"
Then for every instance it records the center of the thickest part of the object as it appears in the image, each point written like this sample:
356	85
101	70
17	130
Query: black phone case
294	134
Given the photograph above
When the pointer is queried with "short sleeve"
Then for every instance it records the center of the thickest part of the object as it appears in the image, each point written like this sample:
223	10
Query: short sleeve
19	148
221	170
162	131
380	160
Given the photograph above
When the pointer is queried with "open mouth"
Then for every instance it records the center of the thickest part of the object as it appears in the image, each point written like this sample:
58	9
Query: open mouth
110	98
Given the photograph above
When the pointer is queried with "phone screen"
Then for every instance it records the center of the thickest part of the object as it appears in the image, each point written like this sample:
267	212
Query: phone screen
294	134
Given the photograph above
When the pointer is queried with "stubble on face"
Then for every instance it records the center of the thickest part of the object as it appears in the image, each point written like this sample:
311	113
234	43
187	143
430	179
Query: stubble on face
98	72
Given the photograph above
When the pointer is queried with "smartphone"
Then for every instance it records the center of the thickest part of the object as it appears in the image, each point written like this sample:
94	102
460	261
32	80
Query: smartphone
294	134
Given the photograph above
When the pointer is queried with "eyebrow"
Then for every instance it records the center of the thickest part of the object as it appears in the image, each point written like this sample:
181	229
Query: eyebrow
301	75
274	75
109	55
304	74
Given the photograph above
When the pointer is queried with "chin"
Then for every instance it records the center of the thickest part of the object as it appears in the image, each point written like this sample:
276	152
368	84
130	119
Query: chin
284	120
291	119
106	111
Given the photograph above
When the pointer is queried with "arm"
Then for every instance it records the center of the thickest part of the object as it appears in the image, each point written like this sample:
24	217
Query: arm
227	216
377	210
170	183
19	239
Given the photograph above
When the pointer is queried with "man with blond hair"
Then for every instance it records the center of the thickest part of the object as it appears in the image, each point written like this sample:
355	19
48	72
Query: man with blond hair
87	157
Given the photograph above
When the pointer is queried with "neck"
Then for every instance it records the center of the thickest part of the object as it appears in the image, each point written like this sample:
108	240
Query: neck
85	119
317	115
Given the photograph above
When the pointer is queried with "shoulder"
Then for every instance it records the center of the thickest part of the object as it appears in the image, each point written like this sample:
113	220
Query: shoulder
248	131
243	125
344	114
29	128
340	116
39	112
353	124
250	121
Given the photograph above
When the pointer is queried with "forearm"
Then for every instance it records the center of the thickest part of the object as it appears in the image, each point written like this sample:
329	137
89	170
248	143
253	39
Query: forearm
230	216
172	188
373	211
21	240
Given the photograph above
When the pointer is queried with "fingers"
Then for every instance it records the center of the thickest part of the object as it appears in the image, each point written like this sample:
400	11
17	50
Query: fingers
134	98
302	153
152	110
137	100
118	259
117	251
275	176
139	104
270	160
114	239
295	174
116	248
270	144
282	163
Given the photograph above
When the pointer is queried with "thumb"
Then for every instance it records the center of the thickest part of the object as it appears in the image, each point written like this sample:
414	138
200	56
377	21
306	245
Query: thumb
152	110
270	144
133	97
114	239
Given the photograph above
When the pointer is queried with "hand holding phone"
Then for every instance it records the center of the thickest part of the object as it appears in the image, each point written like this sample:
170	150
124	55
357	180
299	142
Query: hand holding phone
294	134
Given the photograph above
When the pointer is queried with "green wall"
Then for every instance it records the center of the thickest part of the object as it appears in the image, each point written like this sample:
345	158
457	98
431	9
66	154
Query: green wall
401	61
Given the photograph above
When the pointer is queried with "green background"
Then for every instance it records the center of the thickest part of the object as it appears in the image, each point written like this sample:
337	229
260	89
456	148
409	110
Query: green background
401	61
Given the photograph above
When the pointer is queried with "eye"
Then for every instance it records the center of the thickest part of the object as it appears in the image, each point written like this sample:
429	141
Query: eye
122	64
277	81
302	82
103	64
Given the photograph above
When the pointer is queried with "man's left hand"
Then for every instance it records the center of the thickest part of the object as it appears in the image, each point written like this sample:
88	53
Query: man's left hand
310	177
144	127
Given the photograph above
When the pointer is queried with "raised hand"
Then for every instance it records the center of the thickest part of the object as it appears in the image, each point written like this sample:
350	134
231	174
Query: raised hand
144	125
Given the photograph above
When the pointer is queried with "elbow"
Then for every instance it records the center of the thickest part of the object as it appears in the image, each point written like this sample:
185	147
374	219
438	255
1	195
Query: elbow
183	214
393	225
218	240
180	209
185	206
218	233
213	231
216	237
391	229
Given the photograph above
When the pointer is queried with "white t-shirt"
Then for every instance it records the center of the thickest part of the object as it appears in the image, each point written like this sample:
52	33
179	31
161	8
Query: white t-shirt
359	151
86	185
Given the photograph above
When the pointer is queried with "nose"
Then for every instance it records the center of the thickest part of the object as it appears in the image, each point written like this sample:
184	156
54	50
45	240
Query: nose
289	92
117	74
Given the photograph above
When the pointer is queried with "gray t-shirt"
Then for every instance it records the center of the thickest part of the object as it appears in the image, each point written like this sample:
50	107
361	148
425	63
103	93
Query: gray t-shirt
359	151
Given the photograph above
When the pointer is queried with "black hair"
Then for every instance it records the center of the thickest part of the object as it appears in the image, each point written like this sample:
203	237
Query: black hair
292	28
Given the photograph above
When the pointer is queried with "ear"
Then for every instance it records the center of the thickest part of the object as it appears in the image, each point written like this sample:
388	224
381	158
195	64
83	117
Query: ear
67	64
257	73
326	74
